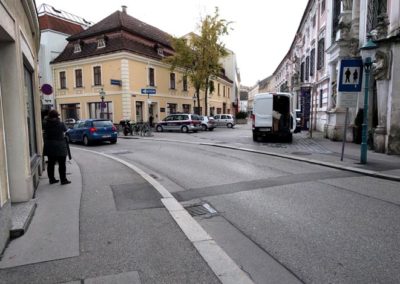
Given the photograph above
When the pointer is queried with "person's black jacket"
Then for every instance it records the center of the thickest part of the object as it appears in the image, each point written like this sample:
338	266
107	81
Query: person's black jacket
53	136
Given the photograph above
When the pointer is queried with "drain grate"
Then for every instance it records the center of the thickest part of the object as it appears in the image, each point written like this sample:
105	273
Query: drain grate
200	209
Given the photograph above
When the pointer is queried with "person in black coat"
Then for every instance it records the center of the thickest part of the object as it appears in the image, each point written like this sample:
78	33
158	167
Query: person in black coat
55	146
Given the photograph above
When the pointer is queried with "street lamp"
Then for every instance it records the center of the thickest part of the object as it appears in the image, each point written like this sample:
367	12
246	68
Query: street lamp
194	103
102	95
368	50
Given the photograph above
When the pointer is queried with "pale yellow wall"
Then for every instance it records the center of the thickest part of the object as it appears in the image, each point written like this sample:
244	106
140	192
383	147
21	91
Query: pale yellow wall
138	73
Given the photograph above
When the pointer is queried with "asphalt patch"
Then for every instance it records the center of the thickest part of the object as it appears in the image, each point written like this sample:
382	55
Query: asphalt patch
134	196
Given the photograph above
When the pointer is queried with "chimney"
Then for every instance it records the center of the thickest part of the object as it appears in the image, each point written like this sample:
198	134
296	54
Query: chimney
124	9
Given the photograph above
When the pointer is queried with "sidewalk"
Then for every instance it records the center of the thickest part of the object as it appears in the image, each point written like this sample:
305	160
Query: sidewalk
113	224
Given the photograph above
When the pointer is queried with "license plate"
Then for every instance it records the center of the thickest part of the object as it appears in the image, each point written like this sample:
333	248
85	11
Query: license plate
106	136
265	129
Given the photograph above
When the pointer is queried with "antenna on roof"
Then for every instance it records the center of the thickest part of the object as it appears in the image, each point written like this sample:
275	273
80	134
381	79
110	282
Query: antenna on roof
124	8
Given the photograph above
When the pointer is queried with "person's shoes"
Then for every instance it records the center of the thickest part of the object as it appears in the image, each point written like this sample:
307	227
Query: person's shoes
65	182
53	181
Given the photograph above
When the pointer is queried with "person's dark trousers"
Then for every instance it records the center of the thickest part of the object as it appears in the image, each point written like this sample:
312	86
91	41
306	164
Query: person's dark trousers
52	160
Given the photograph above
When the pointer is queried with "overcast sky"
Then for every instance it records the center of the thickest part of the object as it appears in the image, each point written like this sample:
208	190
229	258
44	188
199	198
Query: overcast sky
263	30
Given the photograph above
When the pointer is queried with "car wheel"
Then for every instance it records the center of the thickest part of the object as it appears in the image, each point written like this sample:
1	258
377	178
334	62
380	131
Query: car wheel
86	141
159	128
229	125
184	129
204	127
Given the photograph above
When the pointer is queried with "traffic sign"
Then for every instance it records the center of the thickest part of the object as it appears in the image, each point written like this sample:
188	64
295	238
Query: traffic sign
148	91
350	75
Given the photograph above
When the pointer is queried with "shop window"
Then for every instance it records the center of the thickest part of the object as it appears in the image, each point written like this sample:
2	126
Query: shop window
30	101
101	110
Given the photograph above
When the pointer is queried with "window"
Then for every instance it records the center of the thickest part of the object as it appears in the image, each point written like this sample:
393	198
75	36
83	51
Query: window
151	77
321	54
101	43
160	51
229	92
307	68
312	62
186	108
97	75
171	108
63	80
314	21
320	98
322	6
218	90
30	103
335	18
77	48
302	72
97	110
223	91
375	9
78	78
172	81
185	83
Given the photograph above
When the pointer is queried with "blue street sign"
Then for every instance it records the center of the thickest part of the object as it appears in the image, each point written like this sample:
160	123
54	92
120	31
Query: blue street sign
350	75
148	91
116	82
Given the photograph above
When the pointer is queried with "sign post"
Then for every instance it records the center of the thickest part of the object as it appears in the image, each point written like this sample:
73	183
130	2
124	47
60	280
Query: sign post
350	80
148	92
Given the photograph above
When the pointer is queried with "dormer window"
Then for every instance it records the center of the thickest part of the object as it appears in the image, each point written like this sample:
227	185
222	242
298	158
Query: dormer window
101	43
77	48
160	51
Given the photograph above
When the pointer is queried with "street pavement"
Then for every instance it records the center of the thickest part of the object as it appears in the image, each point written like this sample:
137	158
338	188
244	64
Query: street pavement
115	224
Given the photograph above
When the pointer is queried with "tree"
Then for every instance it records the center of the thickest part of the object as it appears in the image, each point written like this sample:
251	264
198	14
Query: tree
199	55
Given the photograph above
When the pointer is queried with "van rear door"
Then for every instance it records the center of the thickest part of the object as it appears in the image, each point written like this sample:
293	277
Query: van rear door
263	110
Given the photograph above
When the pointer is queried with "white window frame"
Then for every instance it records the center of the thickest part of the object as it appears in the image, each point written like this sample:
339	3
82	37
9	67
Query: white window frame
101	43
78	68
101	72
59	79
148	76
77	48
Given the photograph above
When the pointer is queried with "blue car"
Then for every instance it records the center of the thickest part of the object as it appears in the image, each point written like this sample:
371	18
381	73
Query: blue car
92	130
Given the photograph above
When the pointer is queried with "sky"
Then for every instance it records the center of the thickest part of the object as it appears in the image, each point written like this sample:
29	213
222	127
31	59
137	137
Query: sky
261	35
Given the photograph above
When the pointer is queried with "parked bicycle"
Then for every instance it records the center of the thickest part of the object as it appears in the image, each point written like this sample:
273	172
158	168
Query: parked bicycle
145	129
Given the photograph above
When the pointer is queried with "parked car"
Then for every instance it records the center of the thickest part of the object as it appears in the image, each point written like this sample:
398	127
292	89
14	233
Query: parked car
225	120
183	122
207	123
92	130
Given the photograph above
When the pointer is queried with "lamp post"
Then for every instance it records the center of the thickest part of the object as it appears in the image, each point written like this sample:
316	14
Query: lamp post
102	95
194	103
368	51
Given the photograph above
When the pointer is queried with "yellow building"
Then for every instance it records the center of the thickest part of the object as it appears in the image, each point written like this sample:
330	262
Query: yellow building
113	61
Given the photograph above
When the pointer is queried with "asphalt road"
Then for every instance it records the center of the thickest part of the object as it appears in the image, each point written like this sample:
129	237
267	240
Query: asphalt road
282	221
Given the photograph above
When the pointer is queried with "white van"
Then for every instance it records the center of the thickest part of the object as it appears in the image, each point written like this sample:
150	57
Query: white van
274	116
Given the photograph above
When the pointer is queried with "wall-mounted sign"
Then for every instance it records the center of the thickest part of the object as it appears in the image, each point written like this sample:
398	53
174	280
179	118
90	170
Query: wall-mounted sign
46	89
347	100
148	91
350	75
116	82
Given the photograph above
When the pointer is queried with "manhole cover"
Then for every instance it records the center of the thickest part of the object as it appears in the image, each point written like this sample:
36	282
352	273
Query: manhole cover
301	153
200	209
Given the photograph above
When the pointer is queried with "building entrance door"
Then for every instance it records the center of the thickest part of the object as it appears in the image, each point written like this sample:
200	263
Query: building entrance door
305	106
139	111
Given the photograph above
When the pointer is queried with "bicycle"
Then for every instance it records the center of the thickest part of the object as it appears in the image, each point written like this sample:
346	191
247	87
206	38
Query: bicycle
145	130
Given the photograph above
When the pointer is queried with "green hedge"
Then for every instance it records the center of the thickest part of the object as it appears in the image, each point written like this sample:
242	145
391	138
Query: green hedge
241	115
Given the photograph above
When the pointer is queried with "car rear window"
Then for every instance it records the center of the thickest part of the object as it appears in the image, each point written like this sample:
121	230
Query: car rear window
102	123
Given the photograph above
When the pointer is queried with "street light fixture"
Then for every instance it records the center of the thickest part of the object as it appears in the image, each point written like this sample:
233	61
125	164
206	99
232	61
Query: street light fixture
102	95
368	51
194	103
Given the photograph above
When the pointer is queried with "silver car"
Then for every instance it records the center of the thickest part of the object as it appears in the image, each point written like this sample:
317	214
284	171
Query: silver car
224	120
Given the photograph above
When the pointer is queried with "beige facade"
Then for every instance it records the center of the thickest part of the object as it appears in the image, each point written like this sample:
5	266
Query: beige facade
20	124
125	101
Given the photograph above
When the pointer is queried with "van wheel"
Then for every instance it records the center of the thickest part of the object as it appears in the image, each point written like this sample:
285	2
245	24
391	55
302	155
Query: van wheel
255	138
229	125
159	128
204	127
184	129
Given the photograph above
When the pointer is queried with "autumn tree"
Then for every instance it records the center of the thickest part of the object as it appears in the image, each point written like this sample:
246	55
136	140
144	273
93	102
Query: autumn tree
199	55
